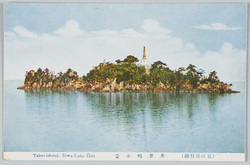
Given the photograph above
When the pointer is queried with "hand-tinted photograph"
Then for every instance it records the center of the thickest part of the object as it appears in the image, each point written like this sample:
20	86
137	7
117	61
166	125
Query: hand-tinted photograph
160	78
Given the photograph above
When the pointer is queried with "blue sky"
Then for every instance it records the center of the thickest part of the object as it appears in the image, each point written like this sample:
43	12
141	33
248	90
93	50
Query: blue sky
177	34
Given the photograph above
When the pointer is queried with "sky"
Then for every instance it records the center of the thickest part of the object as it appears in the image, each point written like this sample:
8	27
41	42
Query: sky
80	36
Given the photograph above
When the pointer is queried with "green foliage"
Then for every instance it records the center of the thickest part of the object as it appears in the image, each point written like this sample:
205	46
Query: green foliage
213	78
42	77
159	72
128	72
131	59
193	76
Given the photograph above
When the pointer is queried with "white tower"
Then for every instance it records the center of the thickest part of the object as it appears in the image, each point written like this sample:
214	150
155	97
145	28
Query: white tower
144	62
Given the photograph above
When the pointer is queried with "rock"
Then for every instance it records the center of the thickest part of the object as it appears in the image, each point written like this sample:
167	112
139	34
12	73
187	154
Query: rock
114	85
34	86
106	89
22	87
110	85
161	85
120	87
235	91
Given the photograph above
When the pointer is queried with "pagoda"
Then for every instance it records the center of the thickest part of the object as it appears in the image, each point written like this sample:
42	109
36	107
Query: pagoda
144	62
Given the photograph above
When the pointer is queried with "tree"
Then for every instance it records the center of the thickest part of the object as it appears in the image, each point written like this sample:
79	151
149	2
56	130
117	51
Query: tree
69	70
158	64
178	79
38	74
192	76
159	72
46	70
213	78
118	61
130	59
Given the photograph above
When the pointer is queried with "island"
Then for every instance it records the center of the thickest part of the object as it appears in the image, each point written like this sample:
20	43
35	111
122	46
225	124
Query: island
129	75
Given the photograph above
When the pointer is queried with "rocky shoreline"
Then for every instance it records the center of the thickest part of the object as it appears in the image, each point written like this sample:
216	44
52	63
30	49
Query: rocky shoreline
128	76
113	86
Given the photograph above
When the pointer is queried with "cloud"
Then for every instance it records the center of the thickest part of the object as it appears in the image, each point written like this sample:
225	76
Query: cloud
24	32
230	63
130	31
152	26
216	26
105	32
70	29
72	47
190	46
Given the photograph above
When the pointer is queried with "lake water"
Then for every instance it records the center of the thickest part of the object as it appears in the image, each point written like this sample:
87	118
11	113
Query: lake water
50	120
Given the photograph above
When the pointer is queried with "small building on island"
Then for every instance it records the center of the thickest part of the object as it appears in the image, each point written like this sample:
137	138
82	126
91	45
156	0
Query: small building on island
144	62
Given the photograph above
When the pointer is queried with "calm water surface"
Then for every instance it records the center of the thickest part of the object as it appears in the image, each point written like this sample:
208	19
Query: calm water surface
49	120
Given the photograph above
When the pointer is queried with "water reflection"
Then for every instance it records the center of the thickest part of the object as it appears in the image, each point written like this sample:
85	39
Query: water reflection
131	108
128	110
137	120
47	101
54	120
125	105
116	108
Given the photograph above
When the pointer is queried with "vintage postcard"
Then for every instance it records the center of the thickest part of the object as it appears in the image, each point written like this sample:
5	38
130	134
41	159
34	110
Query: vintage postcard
124	82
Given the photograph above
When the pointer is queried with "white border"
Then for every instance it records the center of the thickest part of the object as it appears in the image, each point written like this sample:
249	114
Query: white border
171	156
124	156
